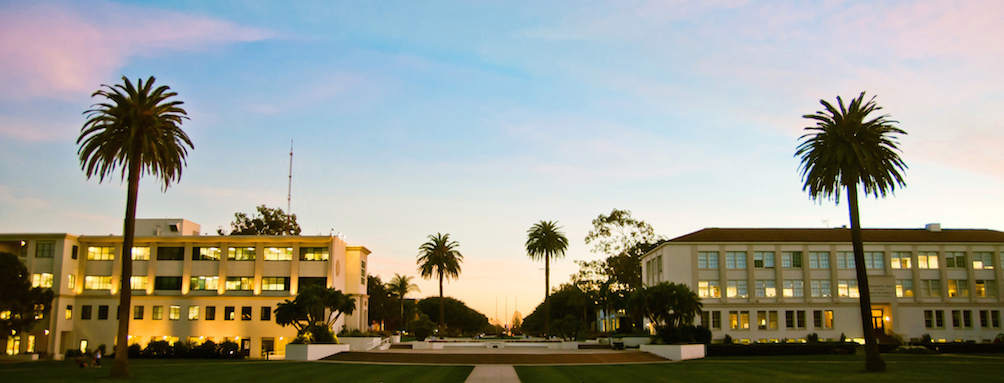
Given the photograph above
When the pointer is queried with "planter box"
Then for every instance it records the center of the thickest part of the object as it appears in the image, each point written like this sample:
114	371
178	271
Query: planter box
313	351
633	341
360	343
675	352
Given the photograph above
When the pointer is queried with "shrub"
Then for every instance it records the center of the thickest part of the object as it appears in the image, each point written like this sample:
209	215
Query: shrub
421	327
761	349
135	350
727	339
812	338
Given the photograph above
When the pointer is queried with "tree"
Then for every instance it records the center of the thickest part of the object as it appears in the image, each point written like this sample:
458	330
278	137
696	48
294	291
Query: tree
670	307
624	240
381	302
400	286
544	241
845	149
267	221
26	305
138	129
460	319
312	313
439	258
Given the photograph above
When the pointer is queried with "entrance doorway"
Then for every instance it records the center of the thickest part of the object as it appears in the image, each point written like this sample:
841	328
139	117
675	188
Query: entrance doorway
878	320
246	346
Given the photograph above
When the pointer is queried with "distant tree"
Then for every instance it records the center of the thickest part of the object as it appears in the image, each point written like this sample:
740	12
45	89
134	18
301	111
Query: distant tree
137	129
624	239
440	258
400	286
564	301
267	221
845	149
460	319
544	241
381	302
26	305
312	313
670	307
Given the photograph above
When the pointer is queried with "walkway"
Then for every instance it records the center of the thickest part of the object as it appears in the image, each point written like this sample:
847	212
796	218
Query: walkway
493	373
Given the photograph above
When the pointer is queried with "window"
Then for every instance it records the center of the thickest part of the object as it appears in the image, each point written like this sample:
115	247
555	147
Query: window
958	288
313	253
873	260
315	281
210	312
736	288
763	259
845	260
766	320
995	319
246	313
228	313
822	319
139	282
205	283
278	253
170	253
85	312
45	249
847	288
928	318
927	260
711	319
986	288
71	281
930	288
983	260
708	289
739	320
43	280
141	253
103	312
68	314
205	253
967	318
137	312
167	283
74	252
653	270
241	253
765	288
240	283
158	313
193	312
791	259
794	319
735	260
900	259
820	288
904	288
793	288
174	313
955	260
362	272
819	260
97	282
100	253
266	313
275	283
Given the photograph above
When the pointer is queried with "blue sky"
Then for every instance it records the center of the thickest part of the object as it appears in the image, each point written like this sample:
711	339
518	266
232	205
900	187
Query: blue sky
479	119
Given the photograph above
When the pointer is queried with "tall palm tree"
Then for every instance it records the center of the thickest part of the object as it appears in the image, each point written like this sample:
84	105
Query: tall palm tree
139	130
440	258
544	241
400	286
845	149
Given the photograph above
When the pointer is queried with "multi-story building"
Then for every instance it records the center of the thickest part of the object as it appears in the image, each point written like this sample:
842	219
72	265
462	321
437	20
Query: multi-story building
185	287
776	284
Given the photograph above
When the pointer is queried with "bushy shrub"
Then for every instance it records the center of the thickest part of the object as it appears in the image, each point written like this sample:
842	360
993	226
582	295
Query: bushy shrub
421	327
135	350
762	349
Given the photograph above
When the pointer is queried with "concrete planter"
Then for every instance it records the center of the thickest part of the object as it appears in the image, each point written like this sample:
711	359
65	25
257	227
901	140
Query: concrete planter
633	341
675	352
313	351
361	343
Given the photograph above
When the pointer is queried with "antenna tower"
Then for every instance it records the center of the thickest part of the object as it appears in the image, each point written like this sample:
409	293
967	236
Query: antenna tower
289	188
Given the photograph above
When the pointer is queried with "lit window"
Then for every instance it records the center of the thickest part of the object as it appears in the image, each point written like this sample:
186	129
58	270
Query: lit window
766	320
228	313
206	253
175	313
240	283
193	312
739	320
95	282
43	280
707	260
313	253
275	283
823	319
765	288
986	288
983	260
901	260
847	288
241	253
246	313
904	288
141	253
158	312
708	289
71	281
820	288
927	260
68	314
205	283
958	288
100	253
139	282
736	288
791	259
763	259
793	288
278	253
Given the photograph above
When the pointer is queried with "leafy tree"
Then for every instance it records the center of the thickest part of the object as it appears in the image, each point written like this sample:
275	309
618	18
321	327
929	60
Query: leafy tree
565	300
138	129
381	302
545	241
422	327
267	221
314	310
624	239
439	258
460	319
18	297
400	286
670	307
845	149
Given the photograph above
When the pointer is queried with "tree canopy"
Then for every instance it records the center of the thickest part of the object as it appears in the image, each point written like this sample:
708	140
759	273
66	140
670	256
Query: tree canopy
18	297
314	310
440	258
671	308
267	221
460	319
545	241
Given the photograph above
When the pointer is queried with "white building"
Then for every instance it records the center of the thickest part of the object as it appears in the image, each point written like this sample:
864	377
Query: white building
775	284
184	286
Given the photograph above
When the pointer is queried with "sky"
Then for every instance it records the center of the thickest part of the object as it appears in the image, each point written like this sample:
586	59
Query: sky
479	119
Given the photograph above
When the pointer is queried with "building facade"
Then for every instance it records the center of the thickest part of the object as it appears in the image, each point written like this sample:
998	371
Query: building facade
773	285
185	287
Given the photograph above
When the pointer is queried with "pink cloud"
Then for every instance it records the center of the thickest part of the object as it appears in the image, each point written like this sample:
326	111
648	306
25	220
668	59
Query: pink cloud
63	52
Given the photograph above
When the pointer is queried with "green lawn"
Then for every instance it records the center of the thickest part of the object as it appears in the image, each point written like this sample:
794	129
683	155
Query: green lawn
850	368
189	371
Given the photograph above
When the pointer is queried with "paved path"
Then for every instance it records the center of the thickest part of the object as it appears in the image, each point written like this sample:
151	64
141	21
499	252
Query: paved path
493	373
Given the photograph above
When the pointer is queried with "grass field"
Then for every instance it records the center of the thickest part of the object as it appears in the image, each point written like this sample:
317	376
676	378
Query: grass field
847	368
194	371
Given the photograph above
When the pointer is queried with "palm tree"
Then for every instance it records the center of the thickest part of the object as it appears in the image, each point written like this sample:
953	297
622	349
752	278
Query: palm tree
439	257
544	241
400	286
842	150
137	129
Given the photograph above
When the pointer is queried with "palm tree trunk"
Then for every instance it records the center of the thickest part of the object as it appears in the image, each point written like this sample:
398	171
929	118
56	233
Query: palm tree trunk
120	367
402	312
547	294
873	360
442	311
